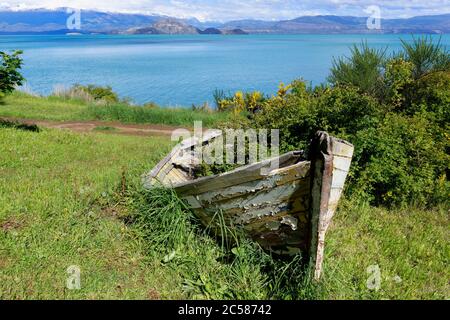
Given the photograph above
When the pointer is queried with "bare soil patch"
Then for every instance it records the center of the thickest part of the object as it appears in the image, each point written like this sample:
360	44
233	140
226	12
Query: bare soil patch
90	126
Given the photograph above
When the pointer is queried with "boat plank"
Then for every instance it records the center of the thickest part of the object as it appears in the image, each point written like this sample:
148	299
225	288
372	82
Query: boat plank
259	213
238	176
250	202
298	172
341	163
341	148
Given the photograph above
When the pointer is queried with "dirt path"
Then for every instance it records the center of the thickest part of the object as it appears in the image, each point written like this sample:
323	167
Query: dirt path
102	127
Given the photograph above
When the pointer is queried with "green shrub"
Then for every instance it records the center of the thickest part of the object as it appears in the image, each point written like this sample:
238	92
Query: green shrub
89	94
431	95
397	80
344	111
10	76
292	113
400	161
240	102
100	93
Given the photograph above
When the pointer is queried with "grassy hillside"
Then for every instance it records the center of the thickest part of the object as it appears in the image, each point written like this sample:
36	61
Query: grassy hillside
53	187
69	199
21	105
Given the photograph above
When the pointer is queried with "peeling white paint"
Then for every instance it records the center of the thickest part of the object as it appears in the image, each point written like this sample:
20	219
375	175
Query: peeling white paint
291	222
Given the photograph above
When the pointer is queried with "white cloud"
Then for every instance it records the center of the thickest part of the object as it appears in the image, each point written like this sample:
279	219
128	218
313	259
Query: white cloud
241	9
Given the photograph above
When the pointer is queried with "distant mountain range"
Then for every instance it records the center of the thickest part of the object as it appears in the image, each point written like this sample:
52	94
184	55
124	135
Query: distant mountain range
175	26
344	24
43	21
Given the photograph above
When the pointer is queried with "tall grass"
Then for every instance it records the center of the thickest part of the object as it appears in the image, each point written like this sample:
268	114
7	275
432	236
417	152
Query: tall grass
150	114
66	106
27	90
72	93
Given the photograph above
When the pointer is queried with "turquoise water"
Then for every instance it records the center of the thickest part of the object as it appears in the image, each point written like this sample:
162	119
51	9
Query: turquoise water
182	70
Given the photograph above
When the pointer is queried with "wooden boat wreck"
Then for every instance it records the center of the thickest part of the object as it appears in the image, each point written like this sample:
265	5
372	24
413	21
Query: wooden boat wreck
286	210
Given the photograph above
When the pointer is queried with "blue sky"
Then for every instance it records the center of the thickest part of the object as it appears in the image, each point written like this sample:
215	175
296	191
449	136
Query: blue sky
222	10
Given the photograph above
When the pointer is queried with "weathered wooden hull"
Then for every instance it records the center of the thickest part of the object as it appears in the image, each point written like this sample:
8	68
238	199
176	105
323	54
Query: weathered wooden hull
286	210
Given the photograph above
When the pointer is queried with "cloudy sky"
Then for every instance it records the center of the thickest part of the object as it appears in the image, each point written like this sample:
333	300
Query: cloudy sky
242	9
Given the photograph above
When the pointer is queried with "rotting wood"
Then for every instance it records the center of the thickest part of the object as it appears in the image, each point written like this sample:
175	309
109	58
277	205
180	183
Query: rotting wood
286	210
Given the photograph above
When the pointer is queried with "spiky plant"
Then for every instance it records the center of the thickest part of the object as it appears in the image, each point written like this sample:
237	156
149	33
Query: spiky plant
363	69
426	55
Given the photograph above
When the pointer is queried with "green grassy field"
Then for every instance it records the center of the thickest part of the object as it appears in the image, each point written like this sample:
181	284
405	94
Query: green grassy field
53	191
75	199
21	105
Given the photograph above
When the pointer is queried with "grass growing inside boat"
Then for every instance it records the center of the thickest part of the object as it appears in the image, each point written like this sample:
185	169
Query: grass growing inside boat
22	105
69	199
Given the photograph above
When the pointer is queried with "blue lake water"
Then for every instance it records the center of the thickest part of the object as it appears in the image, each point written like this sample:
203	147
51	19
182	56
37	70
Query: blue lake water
182	70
